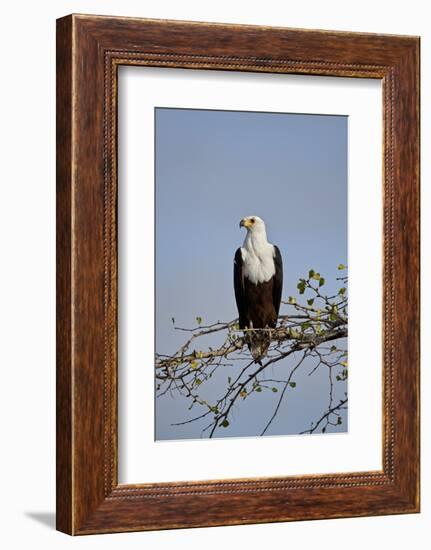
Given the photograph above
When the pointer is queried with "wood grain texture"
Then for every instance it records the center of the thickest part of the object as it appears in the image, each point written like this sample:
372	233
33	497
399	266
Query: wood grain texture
90	49
64	496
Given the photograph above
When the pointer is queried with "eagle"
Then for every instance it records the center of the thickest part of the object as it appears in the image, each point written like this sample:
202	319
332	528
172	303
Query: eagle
258	283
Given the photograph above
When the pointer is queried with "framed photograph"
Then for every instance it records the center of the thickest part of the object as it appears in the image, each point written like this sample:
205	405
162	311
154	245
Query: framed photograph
237	274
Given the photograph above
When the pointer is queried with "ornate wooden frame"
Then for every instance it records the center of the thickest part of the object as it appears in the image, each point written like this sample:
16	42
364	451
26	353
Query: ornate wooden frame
89	51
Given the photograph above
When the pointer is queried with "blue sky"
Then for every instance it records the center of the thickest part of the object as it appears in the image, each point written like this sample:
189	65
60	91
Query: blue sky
212	169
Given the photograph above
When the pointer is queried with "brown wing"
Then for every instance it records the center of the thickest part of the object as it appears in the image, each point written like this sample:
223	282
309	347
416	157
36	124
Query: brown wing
238	283
277	288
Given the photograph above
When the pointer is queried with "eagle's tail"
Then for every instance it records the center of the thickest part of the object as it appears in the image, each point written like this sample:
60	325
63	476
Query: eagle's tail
258	344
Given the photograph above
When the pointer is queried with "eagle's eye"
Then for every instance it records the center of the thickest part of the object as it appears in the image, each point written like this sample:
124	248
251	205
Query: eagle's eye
252	220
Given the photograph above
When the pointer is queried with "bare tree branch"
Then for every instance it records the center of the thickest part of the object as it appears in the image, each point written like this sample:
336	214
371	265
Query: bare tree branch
341	405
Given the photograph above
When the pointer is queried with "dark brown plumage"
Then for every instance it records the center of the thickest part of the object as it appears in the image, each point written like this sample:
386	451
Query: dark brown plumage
258	304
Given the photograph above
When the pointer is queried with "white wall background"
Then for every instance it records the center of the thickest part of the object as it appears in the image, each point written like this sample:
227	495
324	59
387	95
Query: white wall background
27	244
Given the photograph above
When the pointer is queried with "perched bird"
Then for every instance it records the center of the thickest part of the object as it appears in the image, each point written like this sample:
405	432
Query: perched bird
258	282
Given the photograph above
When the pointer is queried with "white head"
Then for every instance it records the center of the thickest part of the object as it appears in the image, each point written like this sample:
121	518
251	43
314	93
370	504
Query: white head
254	225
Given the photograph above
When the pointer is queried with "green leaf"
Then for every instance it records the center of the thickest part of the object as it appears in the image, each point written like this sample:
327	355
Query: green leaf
316	276
259	389
199	320
275	390
310	302
306	325
339	421
301	286
341	267
229	380
342	291
333	348
321	281
292	384
225	423
291	300
194	364
311	273
198	381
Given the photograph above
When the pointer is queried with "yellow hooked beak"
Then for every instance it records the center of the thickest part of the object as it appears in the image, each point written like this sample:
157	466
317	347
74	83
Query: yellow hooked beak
245	222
